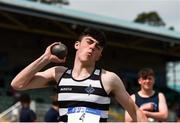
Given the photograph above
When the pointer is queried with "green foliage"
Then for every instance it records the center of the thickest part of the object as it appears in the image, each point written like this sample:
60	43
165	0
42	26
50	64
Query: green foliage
151	18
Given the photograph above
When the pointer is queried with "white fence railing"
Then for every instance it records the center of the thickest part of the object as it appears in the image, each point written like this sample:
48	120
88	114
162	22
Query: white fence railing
12	113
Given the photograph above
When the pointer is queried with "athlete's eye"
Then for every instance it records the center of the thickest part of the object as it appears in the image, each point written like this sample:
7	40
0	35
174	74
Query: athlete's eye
89	41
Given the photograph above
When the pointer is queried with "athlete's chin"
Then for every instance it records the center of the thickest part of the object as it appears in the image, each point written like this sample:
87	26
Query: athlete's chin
87	59
87	62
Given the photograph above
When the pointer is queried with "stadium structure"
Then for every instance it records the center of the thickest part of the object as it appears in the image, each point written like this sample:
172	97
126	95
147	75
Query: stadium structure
28	26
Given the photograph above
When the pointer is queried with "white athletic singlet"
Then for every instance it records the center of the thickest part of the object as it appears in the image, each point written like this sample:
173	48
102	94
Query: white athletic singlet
82	101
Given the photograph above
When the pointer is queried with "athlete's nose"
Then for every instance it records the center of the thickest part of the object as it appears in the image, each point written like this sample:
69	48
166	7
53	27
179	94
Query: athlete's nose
93	45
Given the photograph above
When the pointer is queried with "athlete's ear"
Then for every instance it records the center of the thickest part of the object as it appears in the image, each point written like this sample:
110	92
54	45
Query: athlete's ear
76	45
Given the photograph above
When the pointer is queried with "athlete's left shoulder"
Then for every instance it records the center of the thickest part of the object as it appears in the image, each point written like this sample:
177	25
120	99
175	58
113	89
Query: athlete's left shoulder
108	73
109	76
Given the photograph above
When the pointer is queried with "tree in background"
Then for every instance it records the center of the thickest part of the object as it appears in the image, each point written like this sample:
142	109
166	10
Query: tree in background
151	18
63	2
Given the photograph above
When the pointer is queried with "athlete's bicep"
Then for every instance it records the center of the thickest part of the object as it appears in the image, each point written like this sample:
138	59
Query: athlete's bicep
120	93
41	79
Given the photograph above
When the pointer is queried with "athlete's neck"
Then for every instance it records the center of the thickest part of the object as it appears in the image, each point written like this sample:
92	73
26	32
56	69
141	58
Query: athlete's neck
80	71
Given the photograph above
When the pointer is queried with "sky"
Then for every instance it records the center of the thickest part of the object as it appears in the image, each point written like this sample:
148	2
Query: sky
169	10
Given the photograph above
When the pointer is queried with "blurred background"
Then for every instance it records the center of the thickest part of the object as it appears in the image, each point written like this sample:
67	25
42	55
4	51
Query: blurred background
141	33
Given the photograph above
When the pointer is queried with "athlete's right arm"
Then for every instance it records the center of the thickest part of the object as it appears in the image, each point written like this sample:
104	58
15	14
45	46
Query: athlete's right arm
30	77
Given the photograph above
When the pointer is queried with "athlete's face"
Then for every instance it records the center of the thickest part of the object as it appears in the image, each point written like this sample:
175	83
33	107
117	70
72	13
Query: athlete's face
147	82
88	49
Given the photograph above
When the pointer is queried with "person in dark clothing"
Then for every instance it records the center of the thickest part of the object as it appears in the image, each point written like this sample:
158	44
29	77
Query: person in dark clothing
26	114
52	115
152	103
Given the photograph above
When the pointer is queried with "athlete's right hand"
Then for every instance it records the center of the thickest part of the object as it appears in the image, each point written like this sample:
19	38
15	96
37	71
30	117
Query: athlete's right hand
52	57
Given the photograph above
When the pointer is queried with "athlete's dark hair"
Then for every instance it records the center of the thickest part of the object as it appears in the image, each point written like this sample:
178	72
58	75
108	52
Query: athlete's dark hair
96	34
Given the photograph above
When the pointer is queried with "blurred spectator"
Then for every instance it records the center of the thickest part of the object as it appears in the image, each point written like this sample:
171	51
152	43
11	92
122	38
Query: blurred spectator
26	114
152	103
52	115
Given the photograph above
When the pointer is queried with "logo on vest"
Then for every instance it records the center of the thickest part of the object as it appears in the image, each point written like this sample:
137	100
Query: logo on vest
89	90
66	89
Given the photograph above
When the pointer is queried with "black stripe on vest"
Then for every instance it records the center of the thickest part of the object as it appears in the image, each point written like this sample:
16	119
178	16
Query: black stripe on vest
65	104
81	89
92	77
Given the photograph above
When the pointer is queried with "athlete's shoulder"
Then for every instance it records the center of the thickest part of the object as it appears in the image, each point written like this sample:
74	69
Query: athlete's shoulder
57	71
60	68
108	73
110	76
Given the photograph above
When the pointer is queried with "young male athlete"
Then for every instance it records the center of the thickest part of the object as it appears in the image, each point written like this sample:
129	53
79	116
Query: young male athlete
83	91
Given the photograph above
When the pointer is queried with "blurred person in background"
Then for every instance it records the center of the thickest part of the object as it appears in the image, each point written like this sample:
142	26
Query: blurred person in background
26	114
152	103
52	115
